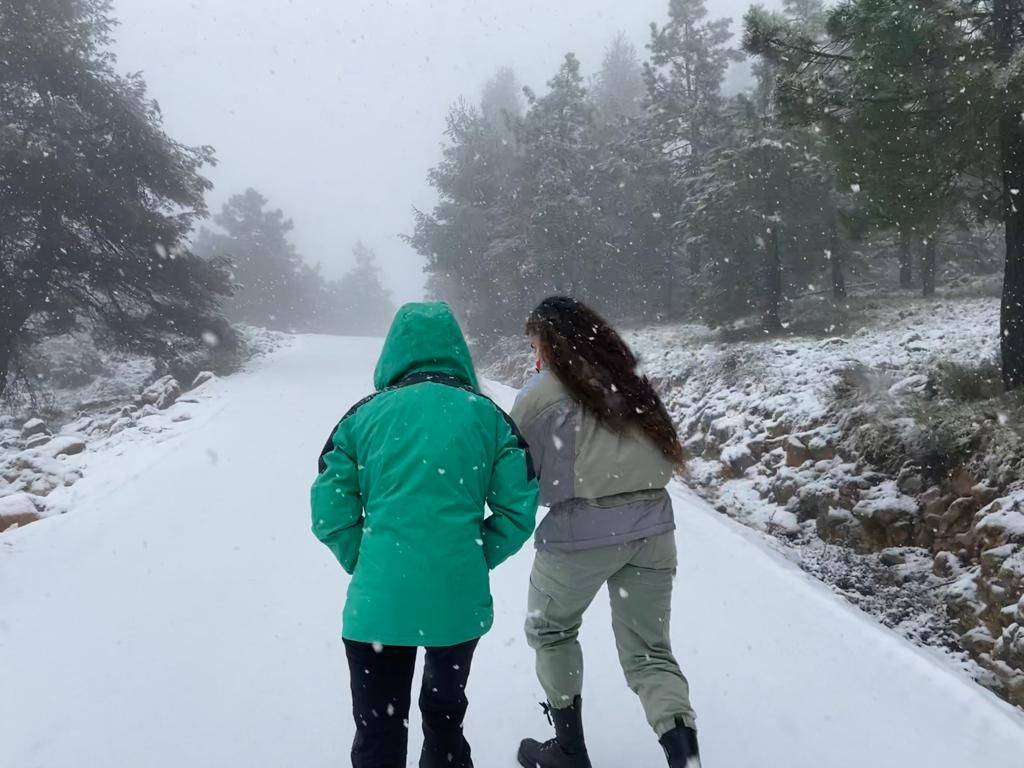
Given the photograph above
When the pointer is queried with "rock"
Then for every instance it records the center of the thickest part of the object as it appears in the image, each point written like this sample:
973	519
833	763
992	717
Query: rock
958	516
36	441
962	601
992	559
65	445
695	444
17	509
910	481
43	485
182	417
889	517
912	385
738	458
34	427
162	393
946	565
815	500
839	526
775	429
723	428
961	482
984	494
1001	522
820	449
796	453
977	641
784	488
9	438
1008	662
203	378
893	557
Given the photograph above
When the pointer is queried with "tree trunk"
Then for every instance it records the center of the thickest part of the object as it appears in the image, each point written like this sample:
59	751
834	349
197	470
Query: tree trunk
1011	145
13	317
906	262
695	262
667	283
928	263
773	284
838	277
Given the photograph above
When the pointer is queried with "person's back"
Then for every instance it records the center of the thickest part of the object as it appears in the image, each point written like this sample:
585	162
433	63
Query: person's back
399	500
603	486
605	448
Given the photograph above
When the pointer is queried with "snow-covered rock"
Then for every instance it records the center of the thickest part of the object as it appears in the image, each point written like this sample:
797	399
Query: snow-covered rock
162	393
37	440
1001	522
204	377
64	445
17	509
34	427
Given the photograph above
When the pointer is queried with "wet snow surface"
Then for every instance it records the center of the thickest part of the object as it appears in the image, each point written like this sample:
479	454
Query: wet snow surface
185	616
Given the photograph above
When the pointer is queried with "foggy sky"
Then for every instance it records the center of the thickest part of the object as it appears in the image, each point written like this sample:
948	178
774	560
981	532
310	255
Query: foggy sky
334	109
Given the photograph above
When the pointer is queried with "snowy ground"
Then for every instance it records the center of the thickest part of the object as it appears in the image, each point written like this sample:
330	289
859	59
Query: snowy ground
185	616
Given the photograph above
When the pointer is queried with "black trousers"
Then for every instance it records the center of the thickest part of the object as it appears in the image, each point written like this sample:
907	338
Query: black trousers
381	696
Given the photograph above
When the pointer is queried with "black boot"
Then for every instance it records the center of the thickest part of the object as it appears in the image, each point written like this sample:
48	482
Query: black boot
567	750
680	745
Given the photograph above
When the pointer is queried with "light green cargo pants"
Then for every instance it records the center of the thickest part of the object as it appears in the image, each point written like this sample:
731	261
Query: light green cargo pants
639	576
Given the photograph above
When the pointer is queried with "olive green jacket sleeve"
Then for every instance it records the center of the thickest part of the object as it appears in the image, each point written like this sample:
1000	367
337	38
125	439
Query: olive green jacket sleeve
512	497
335	498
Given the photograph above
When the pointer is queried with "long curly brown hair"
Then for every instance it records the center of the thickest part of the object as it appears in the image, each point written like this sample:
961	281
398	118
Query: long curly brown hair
600	371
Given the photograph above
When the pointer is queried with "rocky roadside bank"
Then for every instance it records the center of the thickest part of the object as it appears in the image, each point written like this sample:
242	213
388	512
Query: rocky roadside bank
885	462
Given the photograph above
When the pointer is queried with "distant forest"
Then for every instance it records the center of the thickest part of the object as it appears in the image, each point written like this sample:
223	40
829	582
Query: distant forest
876	133
99	206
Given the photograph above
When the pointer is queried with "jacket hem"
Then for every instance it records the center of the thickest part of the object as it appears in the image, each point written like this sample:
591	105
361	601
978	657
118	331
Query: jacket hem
407	641
606	541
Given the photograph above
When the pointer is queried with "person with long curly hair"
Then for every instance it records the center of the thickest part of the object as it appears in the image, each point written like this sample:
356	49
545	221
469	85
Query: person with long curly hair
605	449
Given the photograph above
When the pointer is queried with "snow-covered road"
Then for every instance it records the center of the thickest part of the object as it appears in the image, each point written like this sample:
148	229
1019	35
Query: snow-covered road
184	617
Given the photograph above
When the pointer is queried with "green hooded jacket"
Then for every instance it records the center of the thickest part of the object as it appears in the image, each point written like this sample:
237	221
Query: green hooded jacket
402	485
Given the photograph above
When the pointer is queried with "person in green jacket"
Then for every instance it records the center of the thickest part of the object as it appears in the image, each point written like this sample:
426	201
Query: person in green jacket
605	448
400	501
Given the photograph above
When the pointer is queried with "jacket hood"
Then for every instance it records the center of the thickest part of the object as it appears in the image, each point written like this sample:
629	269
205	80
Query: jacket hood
424	338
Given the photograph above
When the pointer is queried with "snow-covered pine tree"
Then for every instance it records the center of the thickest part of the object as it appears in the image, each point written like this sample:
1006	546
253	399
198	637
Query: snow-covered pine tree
360	305
474	239
756	211
922	105
619	90
689	59
566	240
273	286
95	198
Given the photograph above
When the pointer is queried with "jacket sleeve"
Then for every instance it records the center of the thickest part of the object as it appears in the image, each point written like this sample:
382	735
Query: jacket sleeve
336	502
512	497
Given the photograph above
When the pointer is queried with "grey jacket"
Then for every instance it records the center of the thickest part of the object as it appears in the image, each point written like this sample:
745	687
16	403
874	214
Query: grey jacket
602	487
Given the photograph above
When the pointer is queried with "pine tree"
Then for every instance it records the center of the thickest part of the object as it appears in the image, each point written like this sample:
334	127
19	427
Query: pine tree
501	102
362	306
758	214
922	103
689	59
95	198
565	237
474	239
273	285
619	90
